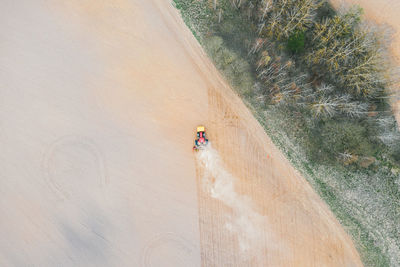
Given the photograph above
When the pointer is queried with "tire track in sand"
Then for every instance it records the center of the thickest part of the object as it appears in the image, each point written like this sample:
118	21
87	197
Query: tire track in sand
167	246
73	165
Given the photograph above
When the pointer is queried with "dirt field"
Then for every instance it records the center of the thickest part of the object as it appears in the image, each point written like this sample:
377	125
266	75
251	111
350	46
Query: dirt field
386	14
99	101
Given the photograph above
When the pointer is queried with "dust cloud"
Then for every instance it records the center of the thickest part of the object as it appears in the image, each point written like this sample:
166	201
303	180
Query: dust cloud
244	222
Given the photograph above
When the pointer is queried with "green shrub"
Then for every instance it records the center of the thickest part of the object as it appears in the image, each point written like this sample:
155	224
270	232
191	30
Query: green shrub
339	137
296	42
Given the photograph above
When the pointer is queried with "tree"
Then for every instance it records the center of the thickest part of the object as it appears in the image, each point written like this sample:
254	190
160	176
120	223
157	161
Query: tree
325	102
281	18
350	55
389	132
238	3
282	82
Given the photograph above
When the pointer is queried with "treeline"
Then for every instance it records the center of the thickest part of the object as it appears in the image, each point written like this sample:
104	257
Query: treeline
327	65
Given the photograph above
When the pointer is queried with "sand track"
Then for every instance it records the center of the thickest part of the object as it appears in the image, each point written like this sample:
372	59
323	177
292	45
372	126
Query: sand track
159	249
99	102
70	158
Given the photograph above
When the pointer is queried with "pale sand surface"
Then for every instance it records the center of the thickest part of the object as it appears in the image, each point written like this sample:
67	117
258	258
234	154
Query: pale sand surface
384	13
98	105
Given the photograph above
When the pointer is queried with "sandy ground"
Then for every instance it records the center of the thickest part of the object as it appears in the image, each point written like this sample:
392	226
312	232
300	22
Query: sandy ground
384	13
98	105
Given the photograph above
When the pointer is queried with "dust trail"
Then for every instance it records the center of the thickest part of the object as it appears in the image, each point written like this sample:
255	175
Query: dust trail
245	222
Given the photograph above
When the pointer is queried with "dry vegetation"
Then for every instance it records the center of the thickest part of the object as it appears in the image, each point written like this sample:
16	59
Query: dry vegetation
317	79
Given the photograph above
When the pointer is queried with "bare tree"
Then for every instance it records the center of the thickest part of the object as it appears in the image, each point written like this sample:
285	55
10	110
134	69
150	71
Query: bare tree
281	18
389	133
258	44
324	101
354	109
324	107
238	3
349	53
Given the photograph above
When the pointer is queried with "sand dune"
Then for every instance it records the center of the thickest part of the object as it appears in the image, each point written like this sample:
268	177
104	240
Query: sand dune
98	105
